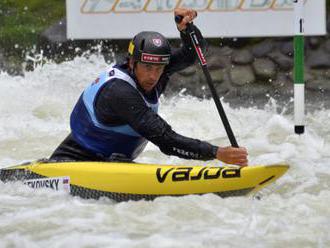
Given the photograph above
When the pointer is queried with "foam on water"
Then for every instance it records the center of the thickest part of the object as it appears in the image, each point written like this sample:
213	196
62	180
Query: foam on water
34	114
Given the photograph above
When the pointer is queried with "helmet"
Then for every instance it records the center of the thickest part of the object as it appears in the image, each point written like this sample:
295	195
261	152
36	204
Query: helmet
150	47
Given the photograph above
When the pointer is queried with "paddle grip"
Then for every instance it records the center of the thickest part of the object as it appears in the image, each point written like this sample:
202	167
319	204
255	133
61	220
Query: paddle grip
178	20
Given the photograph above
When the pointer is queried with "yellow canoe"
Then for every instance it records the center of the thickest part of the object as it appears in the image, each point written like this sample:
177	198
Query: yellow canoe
134	181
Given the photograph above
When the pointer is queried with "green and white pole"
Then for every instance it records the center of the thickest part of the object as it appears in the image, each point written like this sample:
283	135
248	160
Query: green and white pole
299	84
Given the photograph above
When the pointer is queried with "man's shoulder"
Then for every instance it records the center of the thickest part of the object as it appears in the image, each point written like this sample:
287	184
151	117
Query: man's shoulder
117	94
122	67
119	86
122	82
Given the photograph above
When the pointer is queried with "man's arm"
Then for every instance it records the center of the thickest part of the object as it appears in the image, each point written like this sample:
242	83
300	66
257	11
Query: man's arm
185	56
121	101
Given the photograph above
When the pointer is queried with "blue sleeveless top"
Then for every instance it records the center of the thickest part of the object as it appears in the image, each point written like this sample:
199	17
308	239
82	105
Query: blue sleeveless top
108	142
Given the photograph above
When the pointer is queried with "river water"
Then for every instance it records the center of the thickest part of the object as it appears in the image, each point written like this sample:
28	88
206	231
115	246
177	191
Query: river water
292	212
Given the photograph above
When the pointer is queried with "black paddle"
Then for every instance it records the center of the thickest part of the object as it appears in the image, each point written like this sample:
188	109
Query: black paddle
203	63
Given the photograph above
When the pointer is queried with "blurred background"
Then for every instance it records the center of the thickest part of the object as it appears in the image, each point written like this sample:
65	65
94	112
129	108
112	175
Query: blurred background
33	32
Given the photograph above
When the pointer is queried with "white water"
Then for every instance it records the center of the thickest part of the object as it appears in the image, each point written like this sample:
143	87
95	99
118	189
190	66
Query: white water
293	212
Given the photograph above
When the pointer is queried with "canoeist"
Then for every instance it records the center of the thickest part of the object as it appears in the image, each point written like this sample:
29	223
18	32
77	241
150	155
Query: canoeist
118	112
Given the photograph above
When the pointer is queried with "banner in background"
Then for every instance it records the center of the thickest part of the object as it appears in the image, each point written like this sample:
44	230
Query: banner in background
112	19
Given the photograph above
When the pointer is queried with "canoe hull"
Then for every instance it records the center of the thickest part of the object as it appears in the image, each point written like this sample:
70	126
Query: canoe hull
130	181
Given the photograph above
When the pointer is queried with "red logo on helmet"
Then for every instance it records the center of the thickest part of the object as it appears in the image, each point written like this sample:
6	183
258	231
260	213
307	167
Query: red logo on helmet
157	42
156	59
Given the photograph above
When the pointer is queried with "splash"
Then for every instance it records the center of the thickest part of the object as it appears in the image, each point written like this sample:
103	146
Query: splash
34	119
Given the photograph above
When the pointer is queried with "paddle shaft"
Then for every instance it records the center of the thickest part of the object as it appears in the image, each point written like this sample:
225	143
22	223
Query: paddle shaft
203	63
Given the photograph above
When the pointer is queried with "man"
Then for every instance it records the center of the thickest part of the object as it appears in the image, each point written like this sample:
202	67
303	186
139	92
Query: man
117	113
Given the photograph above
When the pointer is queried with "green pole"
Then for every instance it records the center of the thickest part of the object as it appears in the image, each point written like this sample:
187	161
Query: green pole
299	83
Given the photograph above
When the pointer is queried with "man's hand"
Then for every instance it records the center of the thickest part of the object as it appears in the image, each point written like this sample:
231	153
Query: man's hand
188	16
233	155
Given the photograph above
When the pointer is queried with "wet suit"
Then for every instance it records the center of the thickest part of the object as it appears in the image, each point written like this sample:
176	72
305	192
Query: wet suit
118	104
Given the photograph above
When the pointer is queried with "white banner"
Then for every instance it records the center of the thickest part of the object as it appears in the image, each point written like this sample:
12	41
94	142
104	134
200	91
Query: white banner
112	19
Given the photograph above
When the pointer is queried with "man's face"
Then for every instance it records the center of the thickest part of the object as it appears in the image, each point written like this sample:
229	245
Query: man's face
148	75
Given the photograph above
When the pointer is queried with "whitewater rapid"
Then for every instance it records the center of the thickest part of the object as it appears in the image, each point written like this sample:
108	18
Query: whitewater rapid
293	212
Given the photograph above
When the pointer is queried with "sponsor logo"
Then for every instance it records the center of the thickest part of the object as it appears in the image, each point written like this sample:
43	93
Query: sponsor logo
96	81
111	73
198	49
55	183
157	42
201	55
176	174
185	153
152	58
158	6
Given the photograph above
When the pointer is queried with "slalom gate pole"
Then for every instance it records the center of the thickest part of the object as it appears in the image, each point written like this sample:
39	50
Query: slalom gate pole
299	84
203	63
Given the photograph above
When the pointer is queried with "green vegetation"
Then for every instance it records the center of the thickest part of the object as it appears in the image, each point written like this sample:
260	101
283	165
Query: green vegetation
21	22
